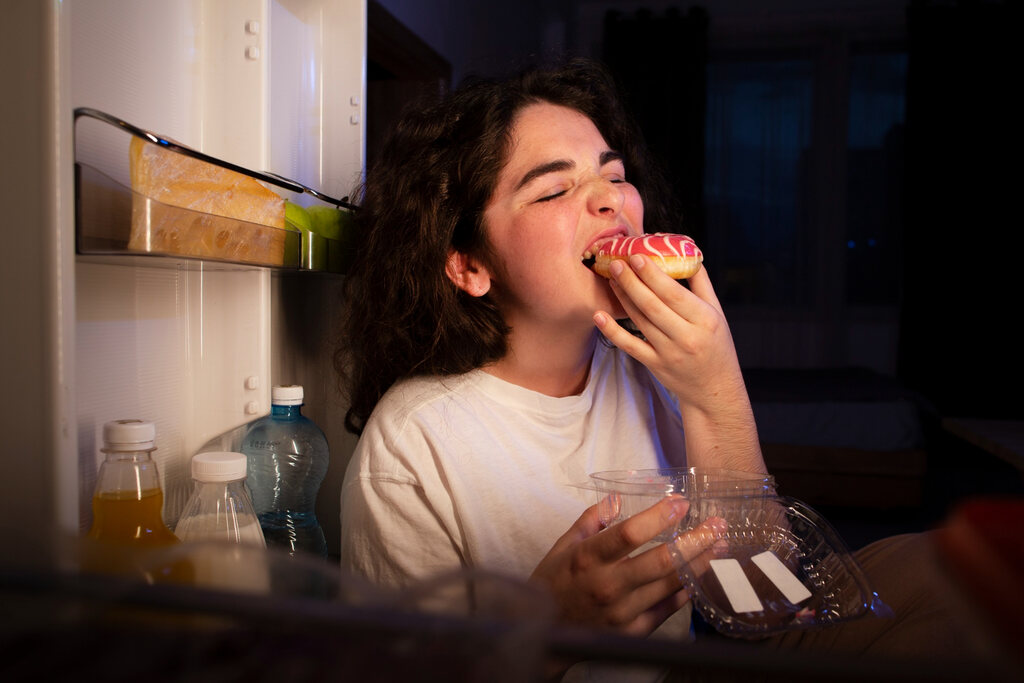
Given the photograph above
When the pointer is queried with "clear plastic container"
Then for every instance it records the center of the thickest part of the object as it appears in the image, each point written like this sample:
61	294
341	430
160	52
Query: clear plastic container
774	565
755	563
287	458
623	493
149	195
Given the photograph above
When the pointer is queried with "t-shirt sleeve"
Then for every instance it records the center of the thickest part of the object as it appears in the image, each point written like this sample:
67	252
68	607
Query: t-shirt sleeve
395	523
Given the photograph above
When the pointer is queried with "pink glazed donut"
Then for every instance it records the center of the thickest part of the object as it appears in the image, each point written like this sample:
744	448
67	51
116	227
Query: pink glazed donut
677	255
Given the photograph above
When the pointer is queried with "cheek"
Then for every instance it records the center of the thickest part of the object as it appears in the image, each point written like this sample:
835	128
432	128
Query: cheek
539	234
633	208
515	247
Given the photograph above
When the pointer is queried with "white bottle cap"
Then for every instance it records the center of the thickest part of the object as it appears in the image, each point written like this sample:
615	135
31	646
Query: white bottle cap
286	395
217	466
129	435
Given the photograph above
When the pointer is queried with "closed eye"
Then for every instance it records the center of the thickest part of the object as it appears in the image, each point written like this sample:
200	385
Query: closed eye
549	197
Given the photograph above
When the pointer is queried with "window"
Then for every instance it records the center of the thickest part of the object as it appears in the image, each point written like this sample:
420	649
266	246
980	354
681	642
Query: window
758	133
803	177
874	181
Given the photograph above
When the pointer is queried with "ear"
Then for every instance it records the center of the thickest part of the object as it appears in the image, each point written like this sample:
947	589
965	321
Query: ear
468	273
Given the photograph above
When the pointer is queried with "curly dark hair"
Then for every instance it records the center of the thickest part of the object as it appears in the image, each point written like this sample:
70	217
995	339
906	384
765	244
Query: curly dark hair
426	195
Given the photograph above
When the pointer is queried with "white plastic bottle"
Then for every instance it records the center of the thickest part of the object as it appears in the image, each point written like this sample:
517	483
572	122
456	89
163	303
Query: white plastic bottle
220	522
220	508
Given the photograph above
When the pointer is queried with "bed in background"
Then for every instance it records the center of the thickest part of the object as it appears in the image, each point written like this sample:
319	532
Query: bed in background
847	437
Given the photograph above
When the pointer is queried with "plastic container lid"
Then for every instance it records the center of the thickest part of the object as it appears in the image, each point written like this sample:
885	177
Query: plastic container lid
218	466
286	395
777	565
129	435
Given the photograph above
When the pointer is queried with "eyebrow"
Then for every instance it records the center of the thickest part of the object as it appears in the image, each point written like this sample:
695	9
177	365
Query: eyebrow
606	157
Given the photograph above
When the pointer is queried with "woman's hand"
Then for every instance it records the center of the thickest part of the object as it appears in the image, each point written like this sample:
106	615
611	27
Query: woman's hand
689	348
595	582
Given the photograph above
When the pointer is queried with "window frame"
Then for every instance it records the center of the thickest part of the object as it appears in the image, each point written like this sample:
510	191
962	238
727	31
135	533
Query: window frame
831	327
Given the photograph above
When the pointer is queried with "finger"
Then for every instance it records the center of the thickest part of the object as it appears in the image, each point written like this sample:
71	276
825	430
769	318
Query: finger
649	289
649	567
658	281
638	349
700	284
653	336
618	335
619	540
645	349
649	577
661	307
689	544
586	525
700	563
651	618
608	509
638	585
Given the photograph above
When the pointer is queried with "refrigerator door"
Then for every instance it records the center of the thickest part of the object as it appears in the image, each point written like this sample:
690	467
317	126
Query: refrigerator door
271	85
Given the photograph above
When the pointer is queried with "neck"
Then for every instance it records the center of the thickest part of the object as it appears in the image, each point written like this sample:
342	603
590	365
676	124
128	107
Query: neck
555	366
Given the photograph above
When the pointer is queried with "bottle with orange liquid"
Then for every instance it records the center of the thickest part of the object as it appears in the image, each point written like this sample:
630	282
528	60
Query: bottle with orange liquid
127	506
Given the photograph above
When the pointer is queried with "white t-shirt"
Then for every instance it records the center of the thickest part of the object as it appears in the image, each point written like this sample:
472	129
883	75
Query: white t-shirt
472	471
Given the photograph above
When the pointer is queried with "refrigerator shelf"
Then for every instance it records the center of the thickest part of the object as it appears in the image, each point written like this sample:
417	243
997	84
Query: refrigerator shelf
113	217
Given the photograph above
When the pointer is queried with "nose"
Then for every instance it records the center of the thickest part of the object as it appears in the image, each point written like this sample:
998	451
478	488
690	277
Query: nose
604	198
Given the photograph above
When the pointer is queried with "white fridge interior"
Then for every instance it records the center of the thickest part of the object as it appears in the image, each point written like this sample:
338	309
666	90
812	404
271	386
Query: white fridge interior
195	346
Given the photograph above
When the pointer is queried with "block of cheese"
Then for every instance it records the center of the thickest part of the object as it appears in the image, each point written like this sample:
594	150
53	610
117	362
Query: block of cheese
188	207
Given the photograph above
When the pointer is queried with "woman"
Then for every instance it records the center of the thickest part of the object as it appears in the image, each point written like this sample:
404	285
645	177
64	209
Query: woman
471	294
486	369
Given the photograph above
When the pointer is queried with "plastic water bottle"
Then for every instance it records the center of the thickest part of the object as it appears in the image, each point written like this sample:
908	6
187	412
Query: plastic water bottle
220	517
219	508
288	459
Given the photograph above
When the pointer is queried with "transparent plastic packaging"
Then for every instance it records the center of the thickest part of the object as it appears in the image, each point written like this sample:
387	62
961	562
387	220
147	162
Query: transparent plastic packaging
774	565
623	493
288	457
138	192
756	563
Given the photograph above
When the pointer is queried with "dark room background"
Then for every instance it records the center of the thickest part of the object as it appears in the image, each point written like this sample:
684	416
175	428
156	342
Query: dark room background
845	165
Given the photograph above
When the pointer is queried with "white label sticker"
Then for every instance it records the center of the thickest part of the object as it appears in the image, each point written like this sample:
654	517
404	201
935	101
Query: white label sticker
737	588
780	575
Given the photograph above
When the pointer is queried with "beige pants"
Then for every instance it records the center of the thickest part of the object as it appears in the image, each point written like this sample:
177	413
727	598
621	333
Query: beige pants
932	618
933	634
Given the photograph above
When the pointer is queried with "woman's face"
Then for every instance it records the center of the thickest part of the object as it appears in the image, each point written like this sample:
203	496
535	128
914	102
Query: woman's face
561	189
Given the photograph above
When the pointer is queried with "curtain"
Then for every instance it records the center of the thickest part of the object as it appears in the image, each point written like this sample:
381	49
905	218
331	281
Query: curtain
757	180
962	296
660	64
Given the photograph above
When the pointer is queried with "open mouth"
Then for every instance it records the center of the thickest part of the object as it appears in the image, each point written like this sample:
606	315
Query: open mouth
589	257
